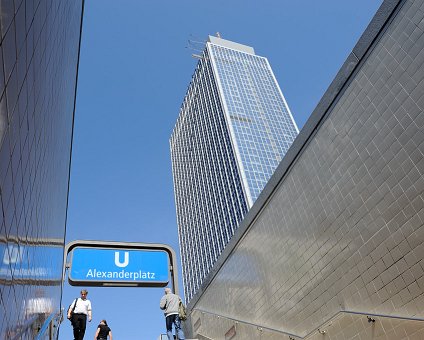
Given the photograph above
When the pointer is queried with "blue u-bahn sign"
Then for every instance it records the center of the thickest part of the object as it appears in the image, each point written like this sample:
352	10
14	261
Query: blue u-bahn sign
119	267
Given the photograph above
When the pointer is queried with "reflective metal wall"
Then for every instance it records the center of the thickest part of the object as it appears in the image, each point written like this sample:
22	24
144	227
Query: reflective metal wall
38	72
335	250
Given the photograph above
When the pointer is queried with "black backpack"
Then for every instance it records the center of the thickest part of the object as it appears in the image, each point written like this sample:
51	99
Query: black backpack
73	308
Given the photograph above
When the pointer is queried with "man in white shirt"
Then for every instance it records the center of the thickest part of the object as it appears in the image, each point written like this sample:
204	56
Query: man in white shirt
78	311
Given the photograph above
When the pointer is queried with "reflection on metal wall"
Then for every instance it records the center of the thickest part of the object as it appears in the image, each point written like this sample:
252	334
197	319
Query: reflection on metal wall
39	52
23	263
337	247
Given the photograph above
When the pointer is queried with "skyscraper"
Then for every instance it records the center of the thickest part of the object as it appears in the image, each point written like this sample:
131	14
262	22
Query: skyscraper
233	129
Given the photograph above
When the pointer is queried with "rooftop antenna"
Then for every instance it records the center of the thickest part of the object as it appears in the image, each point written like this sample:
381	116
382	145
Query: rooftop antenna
197	47
218	35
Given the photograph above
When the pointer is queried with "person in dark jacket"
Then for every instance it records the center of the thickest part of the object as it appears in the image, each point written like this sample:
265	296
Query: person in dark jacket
103	331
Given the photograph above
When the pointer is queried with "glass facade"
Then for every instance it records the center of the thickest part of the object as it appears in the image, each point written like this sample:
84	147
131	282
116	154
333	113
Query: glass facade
233	129
39	60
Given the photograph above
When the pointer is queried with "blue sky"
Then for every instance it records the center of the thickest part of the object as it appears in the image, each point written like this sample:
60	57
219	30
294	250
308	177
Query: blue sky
134	71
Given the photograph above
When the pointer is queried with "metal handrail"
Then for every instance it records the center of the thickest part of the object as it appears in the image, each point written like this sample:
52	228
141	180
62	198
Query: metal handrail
383	315
368	315
21	329
291	335
46	324
246	323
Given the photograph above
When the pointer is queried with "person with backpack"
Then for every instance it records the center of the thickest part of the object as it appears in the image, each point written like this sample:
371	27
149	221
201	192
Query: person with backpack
170	304
78	312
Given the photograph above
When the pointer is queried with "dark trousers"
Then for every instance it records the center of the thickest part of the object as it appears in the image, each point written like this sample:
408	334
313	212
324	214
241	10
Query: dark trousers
79	322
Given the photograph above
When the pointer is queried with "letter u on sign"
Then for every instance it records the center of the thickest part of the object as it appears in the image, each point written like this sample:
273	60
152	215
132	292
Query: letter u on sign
126	259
